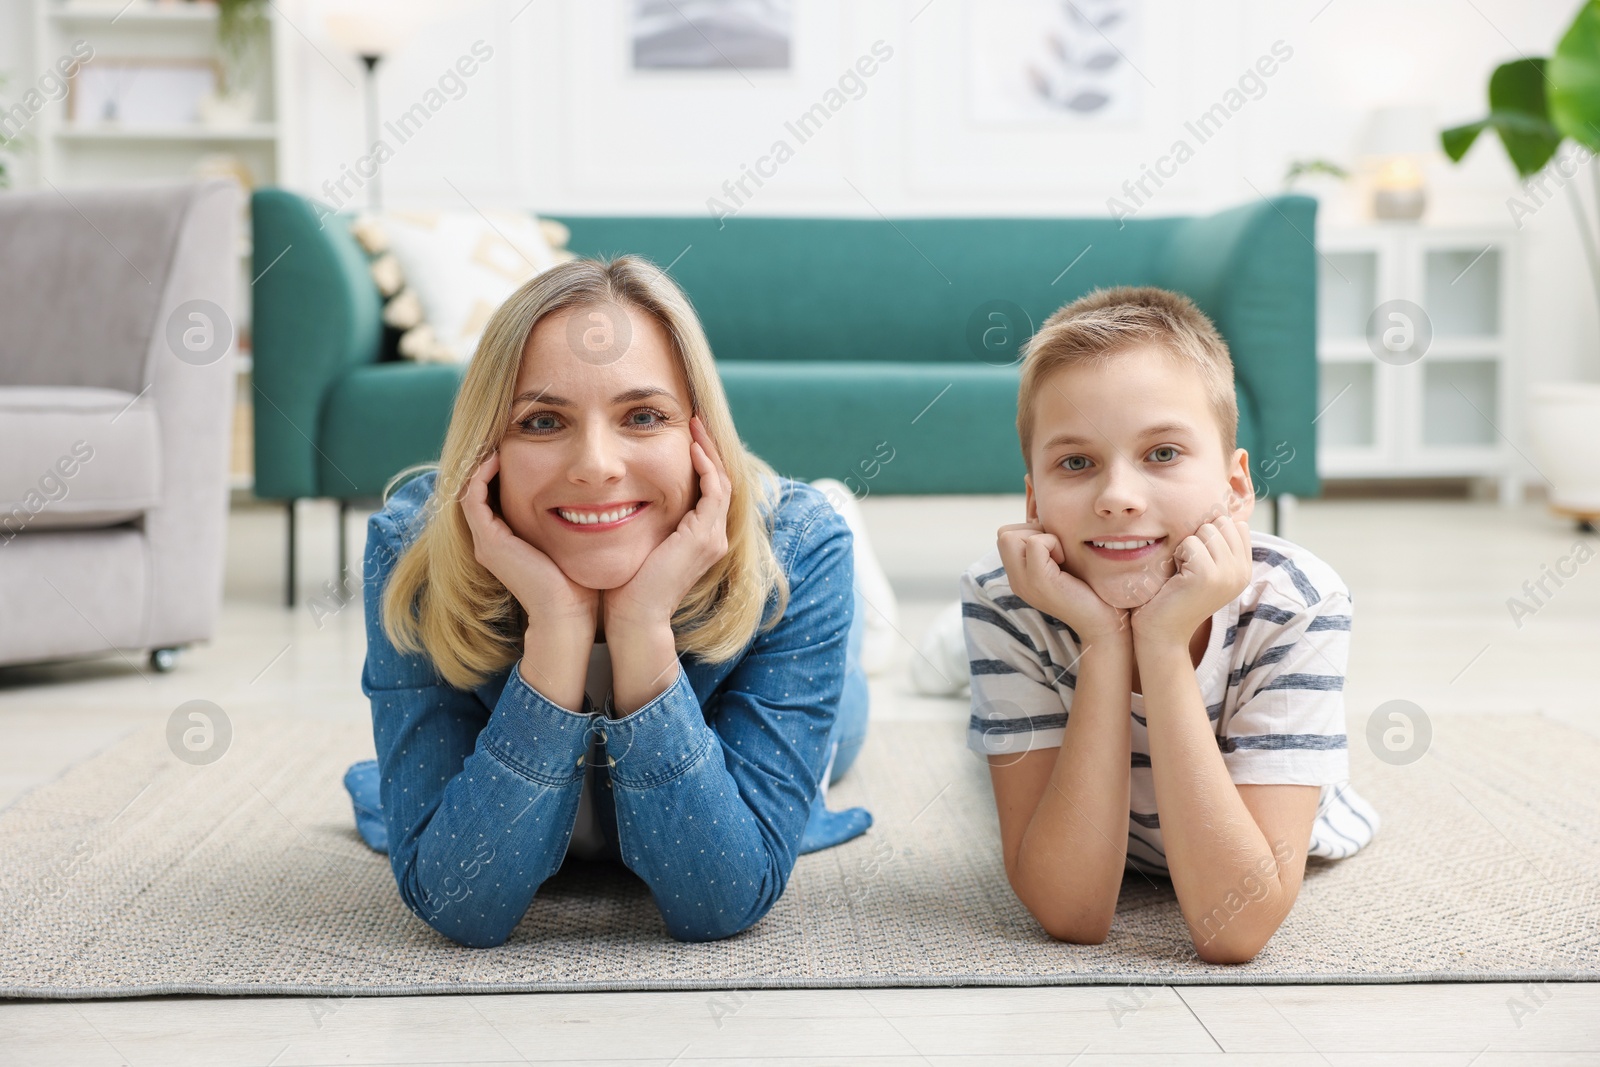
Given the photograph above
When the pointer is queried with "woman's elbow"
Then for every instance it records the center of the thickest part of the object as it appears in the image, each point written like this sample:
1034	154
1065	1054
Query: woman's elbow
704	925
456	923
466	933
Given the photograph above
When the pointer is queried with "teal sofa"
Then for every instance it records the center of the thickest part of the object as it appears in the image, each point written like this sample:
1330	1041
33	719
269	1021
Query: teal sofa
880	352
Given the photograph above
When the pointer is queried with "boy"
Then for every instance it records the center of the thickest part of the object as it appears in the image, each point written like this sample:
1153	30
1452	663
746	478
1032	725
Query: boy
1154	685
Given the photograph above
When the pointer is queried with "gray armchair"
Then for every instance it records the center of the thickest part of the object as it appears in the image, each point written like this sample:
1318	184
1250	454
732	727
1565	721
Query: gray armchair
116	405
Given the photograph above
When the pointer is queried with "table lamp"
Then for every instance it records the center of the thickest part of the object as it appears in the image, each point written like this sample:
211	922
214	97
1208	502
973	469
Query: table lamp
1397	143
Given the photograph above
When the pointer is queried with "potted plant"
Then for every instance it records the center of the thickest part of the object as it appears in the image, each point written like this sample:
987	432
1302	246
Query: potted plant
1534	106
241	32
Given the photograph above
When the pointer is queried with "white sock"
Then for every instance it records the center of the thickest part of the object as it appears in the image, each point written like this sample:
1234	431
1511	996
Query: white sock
827	773
883	608
939	667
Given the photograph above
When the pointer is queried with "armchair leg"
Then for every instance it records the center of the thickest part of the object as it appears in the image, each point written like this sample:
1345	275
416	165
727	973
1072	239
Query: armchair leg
289	580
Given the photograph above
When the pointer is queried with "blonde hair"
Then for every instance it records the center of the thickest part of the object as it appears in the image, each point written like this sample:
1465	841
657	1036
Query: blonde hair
442	602
1095	328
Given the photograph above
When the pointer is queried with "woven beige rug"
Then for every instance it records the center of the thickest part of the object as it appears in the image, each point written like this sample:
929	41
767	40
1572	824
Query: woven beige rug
137	873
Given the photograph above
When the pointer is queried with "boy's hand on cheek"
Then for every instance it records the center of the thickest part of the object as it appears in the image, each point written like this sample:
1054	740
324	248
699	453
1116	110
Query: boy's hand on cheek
1033	560
1213	567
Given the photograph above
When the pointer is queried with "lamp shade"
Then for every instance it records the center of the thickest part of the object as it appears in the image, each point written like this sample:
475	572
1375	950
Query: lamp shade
1400	130
376	27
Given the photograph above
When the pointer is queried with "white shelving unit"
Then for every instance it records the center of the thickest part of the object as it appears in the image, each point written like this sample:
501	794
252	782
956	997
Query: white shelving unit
1446	412
70	153
80	153
260	131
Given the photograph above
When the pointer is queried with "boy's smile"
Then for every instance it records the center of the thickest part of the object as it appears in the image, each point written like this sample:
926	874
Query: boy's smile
1126	548
1127	460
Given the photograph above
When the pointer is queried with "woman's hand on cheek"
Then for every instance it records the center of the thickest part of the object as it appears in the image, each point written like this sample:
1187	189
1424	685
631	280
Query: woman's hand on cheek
1213	567
670	570
543	589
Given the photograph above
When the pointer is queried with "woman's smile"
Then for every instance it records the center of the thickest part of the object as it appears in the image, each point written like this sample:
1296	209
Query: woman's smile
601	517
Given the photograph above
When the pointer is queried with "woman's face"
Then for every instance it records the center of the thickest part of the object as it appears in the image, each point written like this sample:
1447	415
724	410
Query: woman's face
595	470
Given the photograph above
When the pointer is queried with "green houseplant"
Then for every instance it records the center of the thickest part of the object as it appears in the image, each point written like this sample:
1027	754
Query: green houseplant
242	29
1535	105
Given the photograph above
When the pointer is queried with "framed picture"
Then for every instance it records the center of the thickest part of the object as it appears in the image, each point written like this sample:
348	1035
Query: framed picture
711	34
141	93
1053	61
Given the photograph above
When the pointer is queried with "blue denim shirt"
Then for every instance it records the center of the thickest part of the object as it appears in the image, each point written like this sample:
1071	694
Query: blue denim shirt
705	790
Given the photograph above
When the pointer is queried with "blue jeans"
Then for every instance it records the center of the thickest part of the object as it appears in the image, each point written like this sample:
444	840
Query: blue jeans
850	726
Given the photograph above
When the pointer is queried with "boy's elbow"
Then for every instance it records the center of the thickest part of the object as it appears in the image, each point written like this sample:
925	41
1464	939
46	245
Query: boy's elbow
1076	931
1220	942
1229	951
1074	925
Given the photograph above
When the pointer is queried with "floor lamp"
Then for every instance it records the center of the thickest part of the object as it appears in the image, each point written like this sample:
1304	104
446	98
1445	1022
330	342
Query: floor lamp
370	29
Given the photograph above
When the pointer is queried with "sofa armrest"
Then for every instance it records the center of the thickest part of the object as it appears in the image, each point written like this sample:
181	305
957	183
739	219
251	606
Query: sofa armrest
316	313
1253	269
186	532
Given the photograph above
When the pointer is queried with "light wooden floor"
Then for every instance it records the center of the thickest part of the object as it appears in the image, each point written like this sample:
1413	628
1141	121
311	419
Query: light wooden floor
1430	580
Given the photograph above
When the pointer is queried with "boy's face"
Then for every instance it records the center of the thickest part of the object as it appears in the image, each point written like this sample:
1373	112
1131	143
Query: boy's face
1129	452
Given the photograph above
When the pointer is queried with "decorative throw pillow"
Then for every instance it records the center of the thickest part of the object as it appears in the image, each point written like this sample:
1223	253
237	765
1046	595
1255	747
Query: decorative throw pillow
407	332
556	236
461	267
405	335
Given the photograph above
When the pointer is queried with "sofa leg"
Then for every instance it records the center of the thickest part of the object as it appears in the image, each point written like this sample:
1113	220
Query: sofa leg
344	507
289	580
1282	510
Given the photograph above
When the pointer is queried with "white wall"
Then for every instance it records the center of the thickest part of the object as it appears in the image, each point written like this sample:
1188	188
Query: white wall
556	121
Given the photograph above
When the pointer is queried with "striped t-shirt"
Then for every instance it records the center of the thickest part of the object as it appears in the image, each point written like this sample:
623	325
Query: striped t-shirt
1272	678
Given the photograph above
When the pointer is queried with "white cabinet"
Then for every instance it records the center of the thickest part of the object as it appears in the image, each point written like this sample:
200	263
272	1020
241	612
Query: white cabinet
1414	328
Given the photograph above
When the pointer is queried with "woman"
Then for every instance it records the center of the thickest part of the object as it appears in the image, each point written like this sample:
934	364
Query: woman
602	626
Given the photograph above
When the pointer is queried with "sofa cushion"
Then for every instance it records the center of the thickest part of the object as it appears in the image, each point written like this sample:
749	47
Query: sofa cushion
75	457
